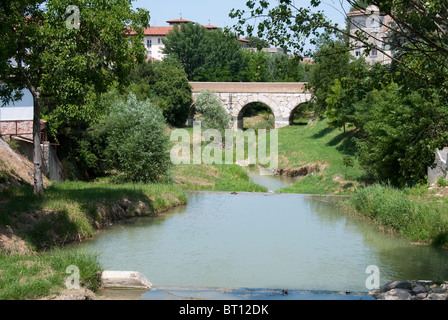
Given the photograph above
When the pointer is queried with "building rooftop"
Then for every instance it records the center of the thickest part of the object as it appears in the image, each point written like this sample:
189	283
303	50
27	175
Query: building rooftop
178	21
210	27
158	31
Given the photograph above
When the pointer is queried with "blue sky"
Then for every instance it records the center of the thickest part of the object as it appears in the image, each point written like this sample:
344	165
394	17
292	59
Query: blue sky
216	11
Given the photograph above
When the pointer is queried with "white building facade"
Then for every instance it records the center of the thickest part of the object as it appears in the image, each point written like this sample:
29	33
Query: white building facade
375	24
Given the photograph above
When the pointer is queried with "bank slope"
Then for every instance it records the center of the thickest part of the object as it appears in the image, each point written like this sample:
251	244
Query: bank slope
322	159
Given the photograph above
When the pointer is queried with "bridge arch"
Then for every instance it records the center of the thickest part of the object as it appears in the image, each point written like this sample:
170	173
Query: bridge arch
241	107
294	110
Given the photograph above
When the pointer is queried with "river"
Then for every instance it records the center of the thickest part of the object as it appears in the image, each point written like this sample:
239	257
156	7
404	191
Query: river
263	240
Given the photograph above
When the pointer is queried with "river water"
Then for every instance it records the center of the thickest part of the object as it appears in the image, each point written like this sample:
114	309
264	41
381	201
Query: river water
263	240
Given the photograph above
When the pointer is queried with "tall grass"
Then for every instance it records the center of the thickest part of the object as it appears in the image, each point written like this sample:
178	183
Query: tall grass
31	277
398	210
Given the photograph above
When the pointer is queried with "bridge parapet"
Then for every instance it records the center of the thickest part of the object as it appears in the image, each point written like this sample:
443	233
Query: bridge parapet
250	87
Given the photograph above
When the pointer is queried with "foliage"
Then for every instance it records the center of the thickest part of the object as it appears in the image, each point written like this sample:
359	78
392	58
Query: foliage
66	66
347	91
331	61
285	68
137	141
257	43
205	55
217	56
401	132
257	69
166	86
212	113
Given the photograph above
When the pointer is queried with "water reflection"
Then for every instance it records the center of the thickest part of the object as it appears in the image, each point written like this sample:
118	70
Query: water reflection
262	241
262	177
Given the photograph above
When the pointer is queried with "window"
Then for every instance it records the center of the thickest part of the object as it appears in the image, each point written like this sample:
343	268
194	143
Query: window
358	52
148	43
158	40
373	52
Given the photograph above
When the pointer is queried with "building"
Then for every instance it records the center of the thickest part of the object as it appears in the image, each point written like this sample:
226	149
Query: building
153	38
375	24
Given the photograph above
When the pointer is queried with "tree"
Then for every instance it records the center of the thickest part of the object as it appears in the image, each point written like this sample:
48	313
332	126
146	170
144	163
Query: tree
331	61
184	44
285	68
166	86
257	43
400	133
65	52
257	69
347	91
212	113
137	143
205	55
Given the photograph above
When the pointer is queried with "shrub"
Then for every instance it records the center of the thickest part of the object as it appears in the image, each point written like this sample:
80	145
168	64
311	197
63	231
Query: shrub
213	114
441	181
137	140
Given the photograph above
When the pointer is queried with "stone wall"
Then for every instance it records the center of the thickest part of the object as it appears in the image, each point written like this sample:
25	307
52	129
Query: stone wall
441	167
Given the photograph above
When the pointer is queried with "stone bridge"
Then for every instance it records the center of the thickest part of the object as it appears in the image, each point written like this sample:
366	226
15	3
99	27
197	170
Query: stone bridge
283	98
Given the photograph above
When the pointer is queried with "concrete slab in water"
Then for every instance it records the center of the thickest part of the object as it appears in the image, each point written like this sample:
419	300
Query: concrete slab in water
188	293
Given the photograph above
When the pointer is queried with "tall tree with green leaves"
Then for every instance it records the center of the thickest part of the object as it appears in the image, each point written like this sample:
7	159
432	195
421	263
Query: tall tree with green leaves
166	85
205	55
65	52
331	61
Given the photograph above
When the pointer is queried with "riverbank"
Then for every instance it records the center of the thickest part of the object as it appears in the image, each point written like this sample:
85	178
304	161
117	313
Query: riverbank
32	228
419	214
321	159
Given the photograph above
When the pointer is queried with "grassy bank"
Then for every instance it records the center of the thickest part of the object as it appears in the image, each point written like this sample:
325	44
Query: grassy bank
322	159
70	211
212	177
43	275
418	214
32	228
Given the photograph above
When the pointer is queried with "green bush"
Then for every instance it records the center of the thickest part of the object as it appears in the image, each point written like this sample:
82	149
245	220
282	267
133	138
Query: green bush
213	115
137	140
441	181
